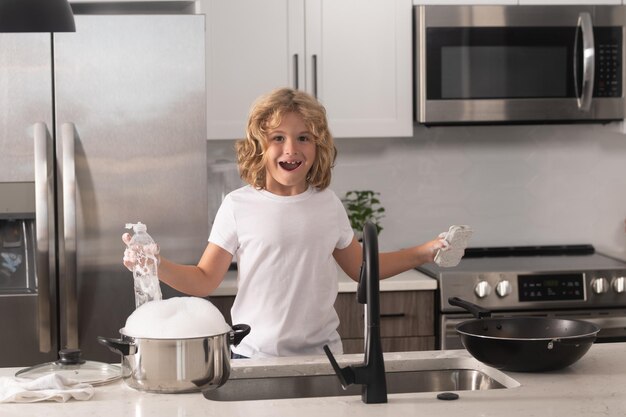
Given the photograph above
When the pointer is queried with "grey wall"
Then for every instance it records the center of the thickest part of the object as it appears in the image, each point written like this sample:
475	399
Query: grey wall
515	185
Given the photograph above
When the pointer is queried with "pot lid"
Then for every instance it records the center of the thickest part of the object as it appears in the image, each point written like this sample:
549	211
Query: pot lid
72	366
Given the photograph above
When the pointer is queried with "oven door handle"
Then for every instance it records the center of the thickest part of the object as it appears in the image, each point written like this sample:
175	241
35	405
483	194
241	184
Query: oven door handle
586	94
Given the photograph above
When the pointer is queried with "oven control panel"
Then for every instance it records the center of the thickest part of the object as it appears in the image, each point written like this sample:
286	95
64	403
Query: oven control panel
530	291
551	287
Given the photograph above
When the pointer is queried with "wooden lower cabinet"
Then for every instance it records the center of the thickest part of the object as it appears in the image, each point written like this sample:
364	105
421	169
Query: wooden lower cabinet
393	344
407	321
224	304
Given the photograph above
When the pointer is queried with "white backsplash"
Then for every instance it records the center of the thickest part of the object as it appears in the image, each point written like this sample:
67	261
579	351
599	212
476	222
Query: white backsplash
515	185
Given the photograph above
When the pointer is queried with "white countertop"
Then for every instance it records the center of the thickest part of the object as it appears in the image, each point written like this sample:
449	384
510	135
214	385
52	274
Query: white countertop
593	386
412	280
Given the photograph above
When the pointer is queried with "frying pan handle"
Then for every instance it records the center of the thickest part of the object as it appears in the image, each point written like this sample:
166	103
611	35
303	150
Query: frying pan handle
239	332
476	311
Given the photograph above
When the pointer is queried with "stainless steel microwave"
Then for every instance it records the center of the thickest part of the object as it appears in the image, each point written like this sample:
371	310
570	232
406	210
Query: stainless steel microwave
517	64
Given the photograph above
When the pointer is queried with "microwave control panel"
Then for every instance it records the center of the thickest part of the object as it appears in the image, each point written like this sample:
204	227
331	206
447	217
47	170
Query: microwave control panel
608	69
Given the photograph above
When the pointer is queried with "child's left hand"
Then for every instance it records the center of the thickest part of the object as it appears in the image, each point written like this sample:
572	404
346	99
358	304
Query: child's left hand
429	249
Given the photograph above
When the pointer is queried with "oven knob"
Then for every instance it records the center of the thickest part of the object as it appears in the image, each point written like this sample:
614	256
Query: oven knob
482	289
600	285
503	288
619	284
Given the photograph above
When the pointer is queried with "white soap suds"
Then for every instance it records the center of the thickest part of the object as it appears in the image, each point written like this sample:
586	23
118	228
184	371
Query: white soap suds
176	318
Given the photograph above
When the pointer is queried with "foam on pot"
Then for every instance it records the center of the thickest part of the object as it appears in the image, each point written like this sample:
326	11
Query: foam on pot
176	318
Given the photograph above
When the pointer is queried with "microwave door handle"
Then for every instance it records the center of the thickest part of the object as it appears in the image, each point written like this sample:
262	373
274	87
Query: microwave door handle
586	25
43	175
69	231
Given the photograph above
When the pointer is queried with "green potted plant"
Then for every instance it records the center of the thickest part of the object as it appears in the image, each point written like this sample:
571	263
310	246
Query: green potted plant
363	206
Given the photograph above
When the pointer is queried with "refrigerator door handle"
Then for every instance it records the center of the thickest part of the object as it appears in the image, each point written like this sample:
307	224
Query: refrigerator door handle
69	232
43	175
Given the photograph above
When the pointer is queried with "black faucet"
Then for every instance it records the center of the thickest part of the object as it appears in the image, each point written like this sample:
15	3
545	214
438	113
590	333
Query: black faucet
371	373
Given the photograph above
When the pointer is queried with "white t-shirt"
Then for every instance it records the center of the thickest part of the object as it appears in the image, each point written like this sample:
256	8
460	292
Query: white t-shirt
287	276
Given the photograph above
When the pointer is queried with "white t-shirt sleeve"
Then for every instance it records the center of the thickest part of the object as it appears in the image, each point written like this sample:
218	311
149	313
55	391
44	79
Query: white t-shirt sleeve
346	234
224	230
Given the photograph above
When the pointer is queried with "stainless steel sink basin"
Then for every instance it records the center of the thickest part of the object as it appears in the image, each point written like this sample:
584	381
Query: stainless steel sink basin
304	386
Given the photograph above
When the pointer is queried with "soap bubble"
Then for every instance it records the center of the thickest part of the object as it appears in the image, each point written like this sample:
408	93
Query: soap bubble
176	318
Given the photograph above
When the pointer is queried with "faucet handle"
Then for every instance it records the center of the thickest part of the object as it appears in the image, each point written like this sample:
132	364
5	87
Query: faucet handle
361	289
345	375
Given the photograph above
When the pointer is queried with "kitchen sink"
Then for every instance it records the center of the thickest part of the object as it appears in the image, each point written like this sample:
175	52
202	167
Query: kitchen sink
470	378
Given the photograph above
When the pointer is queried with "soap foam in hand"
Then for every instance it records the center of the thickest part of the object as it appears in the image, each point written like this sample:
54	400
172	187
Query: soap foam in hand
176	318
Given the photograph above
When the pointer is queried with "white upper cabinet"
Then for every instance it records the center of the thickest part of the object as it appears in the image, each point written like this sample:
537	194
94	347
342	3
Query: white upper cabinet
355	55
247	55
363	50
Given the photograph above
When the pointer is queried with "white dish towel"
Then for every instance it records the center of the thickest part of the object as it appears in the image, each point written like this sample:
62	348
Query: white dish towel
53	387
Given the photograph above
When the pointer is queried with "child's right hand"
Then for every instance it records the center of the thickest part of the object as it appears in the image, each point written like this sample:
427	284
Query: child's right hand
131	253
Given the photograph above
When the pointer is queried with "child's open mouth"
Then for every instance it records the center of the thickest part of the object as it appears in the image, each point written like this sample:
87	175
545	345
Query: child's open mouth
290	166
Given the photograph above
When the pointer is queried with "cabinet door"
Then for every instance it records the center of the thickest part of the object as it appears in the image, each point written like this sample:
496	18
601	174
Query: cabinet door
250	50
406	321
224	304
392	344
359	65
355	55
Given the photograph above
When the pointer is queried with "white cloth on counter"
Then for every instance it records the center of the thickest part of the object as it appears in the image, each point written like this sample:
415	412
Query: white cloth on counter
52	387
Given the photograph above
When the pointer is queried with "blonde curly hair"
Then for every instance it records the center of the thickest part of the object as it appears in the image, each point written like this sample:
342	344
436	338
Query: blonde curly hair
266	114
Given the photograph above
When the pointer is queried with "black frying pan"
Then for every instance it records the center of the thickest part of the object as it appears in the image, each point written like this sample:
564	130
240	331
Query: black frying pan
524	344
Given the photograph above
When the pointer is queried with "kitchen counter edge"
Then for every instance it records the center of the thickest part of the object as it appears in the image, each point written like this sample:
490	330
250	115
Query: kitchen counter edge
412	280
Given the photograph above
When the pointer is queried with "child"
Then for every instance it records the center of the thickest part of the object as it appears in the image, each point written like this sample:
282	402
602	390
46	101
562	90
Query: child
288	231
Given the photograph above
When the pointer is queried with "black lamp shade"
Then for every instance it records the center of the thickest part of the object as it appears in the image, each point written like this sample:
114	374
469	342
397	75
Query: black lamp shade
36	16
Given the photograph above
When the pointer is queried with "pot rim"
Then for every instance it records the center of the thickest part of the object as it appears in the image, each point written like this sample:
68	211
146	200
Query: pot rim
172	338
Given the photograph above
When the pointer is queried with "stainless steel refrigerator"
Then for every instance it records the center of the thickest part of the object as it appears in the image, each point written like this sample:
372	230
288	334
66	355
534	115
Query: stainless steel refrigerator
98	128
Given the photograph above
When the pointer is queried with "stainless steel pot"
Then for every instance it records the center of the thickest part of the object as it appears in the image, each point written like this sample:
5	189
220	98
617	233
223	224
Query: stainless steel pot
176	365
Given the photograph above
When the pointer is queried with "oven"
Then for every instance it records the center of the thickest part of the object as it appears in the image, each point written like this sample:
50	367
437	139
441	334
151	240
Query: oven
570	281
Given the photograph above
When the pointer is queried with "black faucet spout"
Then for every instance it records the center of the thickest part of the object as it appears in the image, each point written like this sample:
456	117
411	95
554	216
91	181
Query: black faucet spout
370	374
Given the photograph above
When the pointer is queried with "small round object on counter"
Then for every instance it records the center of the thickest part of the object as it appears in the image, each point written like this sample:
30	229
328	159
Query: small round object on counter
447	396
